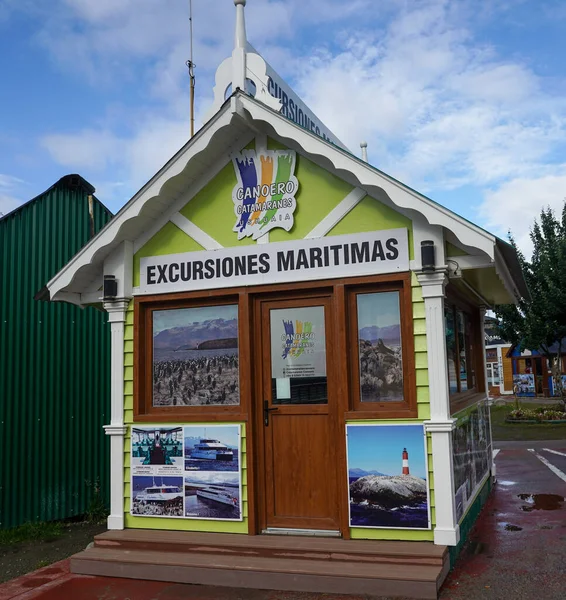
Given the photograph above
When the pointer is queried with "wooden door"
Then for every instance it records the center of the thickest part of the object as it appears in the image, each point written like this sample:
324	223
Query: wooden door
296	404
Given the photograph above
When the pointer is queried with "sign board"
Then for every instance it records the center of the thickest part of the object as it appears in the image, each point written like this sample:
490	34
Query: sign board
293	108
370	253
264	197
186	472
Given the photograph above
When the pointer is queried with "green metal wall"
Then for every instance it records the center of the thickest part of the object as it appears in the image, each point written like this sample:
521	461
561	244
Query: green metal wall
54	365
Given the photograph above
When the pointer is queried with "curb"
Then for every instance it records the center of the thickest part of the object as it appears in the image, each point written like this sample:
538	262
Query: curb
534	422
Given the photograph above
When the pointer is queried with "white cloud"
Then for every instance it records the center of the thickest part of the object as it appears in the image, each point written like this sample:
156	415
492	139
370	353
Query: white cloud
8	204
9	181
439	109
89	149
134	158
154	144
9	186
515	204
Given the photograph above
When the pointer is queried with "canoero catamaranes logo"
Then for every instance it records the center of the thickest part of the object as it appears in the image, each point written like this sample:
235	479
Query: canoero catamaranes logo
264	197
298	338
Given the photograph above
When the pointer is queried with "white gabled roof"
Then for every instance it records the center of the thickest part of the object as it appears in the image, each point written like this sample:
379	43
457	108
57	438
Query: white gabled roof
240	118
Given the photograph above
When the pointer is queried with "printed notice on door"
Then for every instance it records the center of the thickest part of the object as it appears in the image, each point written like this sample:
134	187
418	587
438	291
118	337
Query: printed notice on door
298	343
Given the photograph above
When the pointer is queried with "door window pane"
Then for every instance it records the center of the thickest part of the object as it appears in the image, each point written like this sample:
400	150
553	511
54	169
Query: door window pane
195	356
379	343
298	355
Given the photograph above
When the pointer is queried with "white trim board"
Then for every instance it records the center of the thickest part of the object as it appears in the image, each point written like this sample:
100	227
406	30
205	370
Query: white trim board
240	114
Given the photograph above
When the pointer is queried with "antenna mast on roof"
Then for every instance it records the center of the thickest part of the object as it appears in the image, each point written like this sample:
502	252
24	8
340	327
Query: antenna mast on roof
191	65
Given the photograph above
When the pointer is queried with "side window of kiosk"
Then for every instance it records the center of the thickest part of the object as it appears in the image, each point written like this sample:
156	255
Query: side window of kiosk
381	351
463	354
188	359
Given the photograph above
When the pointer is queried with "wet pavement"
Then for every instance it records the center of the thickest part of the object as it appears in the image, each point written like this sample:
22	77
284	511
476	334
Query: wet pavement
517	549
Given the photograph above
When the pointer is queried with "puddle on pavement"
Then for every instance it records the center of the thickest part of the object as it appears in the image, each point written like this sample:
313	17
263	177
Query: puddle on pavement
541	502
509	527
506	483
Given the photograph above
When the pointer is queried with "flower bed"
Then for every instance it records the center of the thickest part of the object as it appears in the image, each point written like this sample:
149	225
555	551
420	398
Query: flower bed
550	415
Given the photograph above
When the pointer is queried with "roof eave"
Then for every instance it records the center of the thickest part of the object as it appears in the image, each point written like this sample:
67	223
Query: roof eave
101	244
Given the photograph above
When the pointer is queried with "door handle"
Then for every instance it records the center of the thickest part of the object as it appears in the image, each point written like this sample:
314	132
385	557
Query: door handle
266	410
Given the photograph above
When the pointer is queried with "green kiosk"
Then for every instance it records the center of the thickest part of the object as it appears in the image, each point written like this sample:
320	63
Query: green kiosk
299	395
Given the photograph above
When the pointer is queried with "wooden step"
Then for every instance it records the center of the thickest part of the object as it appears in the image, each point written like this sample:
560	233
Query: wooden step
259	572
299	547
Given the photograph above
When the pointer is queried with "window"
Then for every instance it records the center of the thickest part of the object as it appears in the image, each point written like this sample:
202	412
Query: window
381	351
195	356
462	335
451	349
198	355
188	358
298	355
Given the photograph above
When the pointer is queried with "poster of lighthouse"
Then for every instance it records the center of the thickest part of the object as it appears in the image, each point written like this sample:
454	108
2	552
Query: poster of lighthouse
388	476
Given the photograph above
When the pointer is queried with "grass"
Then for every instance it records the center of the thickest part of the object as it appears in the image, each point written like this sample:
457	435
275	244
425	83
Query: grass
504	432
31	532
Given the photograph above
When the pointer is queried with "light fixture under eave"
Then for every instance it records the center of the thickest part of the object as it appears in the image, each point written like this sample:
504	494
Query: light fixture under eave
110	288
428	258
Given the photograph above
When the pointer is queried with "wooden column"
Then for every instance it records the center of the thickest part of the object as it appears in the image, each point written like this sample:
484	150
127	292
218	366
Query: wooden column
116	430
440	425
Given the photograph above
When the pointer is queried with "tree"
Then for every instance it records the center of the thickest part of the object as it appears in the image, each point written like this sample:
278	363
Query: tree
539	322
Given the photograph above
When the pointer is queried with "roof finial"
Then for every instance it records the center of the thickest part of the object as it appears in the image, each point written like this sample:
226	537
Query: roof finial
364	147
241	39
240	48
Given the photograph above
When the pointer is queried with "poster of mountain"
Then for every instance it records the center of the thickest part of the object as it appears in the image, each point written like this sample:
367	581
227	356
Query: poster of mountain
195	356
387	476
379	341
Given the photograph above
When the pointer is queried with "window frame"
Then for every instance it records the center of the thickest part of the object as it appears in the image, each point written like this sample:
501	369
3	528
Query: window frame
407	408
144	411
475	349
342	289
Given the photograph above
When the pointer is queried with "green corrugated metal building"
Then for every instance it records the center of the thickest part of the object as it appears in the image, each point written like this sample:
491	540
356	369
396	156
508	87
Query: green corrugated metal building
54	363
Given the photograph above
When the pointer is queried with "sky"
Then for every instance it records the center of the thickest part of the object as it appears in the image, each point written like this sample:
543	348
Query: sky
167	319
380	448
463	100
380	310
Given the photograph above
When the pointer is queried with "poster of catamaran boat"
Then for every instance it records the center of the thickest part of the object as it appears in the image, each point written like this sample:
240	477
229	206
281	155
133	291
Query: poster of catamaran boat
157	496
212	448
213	495
387	476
